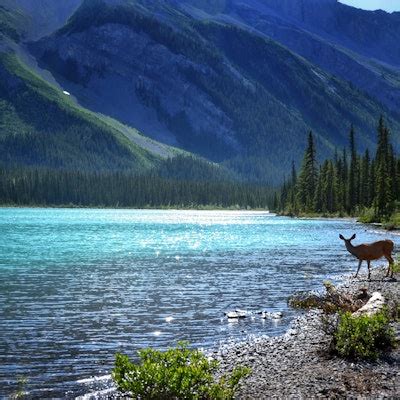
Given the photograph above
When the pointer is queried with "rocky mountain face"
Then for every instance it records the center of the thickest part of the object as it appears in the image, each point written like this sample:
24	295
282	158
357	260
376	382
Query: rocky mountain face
238	82
358	46
43	16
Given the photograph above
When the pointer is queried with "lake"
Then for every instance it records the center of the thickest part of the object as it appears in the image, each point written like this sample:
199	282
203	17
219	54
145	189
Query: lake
79	285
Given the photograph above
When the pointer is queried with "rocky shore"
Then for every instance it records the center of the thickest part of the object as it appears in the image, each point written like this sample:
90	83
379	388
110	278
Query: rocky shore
300	365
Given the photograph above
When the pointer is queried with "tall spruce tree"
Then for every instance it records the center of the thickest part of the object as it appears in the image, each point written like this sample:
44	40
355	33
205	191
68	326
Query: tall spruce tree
347	184
365	195
308	177
293	184
352	199
383	197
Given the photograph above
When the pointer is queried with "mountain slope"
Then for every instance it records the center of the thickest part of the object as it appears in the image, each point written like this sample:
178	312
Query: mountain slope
356	45
41	126
41	17
209	86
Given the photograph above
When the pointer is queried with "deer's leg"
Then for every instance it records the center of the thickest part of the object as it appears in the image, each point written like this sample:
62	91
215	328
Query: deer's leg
358	270
369	269
391	262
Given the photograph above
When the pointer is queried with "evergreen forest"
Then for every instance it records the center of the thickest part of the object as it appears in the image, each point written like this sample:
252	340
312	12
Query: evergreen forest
20	186
351	184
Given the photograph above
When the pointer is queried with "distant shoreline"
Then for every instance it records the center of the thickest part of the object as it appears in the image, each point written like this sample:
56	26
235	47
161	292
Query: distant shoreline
377	225
176	208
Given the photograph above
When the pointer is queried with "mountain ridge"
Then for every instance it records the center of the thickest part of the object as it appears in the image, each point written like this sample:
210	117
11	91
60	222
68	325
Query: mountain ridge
225	80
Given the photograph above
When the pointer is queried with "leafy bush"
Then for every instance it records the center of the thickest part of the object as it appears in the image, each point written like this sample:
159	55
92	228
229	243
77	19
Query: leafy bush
396	266
179	373
368	216
393	222
363	336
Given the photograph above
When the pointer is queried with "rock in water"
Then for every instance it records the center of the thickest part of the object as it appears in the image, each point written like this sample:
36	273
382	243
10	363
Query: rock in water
237	314
271	315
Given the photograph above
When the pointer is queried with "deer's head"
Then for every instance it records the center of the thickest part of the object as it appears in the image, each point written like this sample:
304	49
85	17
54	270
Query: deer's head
347	241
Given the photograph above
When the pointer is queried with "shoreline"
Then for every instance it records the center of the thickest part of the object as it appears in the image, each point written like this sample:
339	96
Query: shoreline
299	364
160	208
377	225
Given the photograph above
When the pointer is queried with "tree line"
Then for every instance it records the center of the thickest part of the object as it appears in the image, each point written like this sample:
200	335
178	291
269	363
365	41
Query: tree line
349	184
43	187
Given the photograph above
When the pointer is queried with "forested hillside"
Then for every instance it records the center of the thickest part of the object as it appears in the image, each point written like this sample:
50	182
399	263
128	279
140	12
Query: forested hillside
207	85
190	91
40	126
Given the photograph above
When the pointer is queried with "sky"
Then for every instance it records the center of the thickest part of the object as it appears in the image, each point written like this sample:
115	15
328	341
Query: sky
387	5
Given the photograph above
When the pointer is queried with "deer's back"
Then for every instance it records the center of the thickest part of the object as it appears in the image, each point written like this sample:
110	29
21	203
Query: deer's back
373	251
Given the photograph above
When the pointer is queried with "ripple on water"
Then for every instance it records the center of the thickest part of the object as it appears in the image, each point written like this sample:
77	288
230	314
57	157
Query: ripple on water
76	286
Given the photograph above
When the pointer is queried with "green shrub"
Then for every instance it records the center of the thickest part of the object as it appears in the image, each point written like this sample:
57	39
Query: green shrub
179	373
363	337
368	216
396	265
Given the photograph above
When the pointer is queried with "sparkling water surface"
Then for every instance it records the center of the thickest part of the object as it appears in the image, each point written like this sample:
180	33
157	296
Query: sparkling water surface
78	285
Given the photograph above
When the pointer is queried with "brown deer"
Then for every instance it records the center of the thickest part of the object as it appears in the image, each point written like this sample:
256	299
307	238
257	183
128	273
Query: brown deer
369	252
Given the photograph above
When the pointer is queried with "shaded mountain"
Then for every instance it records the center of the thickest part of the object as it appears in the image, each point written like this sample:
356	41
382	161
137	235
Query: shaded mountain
43	130
41	126
41	17
12	23
193	74
356	45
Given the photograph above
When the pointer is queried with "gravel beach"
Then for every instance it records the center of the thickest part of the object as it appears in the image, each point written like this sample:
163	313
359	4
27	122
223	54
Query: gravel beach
299	365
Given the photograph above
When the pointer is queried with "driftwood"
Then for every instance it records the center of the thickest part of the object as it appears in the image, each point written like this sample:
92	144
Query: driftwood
374	305
331	302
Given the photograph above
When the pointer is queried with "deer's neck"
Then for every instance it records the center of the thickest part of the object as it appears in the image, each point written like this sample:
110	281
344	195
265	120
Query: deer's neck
351	249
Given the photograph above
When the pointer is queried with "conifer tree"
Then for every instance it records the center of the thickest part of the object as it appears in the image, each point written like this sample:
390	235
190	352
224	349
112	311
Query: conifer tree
348	184
365	195
383	197
318	197
293	187
352	176
308	177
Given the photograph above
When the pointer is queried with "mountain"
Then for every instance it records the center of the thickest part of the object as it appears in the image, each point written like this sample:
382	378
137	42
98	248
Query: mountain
41	17
358	46
236	82
41	126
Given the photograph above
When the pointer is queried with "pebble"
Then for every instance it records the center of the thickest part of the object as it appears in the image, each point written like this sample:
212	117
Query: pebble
298	364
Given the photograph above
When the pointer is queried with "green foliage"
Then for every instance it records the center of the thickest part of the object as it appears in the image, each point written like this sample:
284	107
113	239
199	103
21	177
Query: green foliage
364	187
21	391
363	337
396	266
308	176
179	373
393	222
367	216
41	126
42	186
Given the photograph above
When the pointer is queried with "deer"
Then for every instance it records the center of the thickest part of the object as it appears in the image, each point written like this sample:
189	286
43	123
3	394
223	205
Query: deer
371	251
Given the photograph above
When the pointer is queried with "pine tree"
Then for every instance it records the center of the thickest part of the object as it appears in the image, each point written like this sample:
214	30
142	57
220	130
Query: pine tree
365	195
383	198
318	197
308	176
352	199
293	188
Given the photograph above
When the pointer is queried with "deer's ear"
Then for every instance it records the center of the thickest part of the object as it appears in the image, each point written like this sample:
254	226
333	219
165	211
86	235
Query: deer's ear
341	237
353	237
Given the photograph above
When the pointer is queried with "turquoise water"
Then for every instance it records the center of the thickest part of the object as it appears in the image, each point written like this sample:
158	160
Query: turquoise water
76	286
